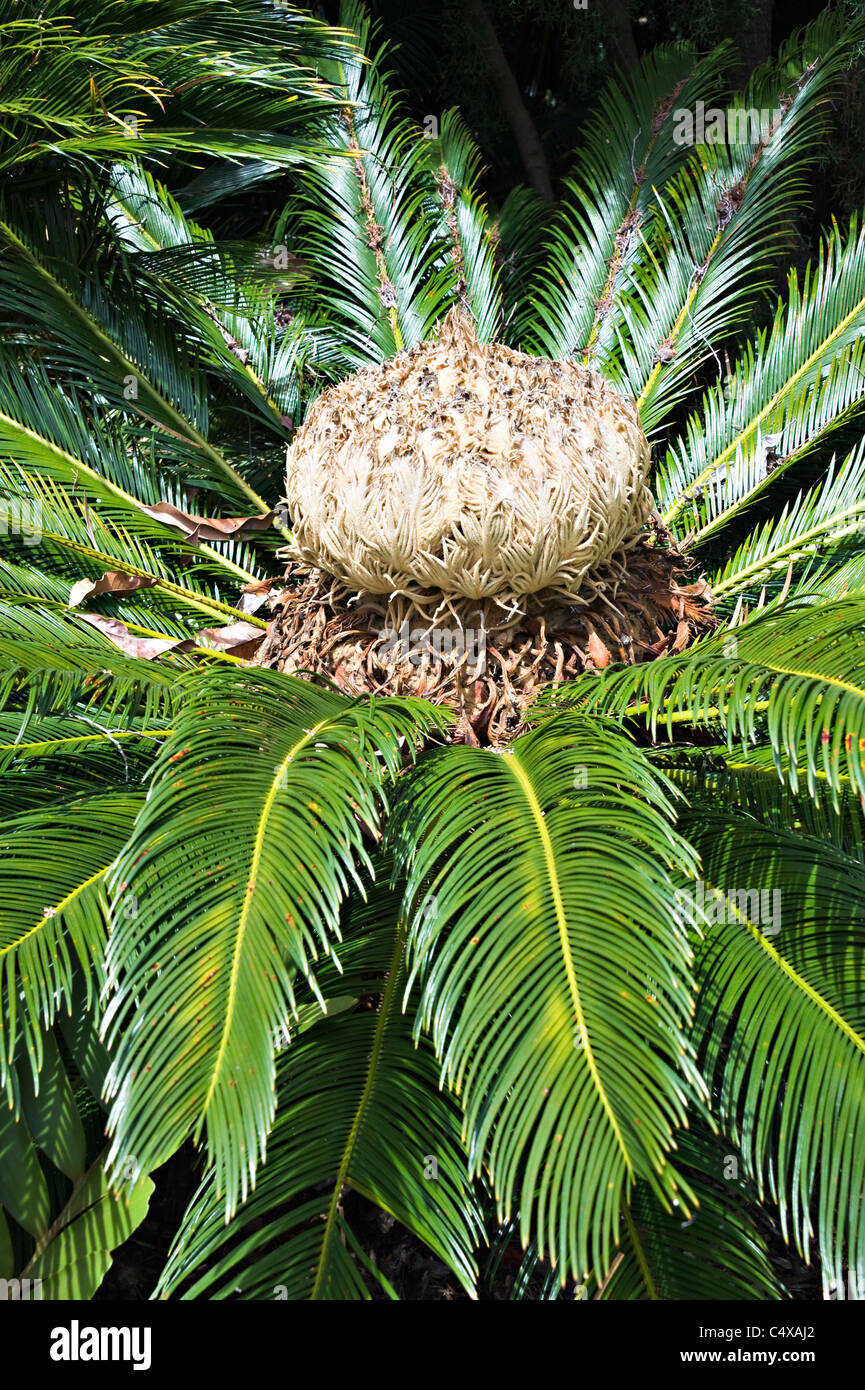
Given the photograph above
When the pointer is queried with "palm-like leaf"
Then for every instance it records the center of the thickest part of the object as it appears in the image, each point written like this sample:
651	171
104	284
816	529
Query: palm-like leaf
760	422
360	217
536	894
715	1253
359	1110
796	669
264	792
543	930
780	1018
628	156
826	519
54	914
714	234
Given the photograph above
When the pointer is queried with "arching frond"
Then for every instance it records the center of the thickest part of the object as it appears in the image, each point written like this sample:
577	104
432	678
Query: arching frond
798	382
54	917
555	984
781	1024
796	670
714	236
264	792
83	85
232	313
117	348
102	541
628	155
829	516
360	220
750	782
51	664
465	225
359	1110
715	1253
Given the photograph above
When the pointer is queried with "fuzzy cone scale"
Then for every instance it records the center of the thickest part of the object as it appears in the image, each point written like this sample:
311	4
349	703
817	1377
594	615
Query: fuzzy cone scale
469	524
469	470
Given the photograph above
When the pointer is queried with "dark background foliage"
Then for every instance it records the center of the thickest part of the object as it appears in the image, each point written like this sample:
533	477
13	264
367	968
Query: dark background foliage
559	57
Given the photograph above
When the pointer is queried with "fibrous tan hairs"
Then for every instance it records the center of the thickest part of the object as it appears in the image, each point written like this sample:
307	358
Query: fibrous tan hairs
470	522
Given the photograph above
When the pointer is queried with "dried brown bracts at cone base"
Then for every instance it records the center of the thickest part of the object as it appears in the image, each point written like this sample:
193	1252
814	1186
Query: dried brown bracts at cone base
484	664
469	524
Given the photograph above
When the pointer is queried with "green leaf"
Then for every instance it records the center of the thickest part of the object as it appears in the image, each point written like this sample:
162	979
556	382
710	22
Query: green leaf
264	793
359	1111
714	1254
74	1255
795	669
360	220
781	1024
796	384
48	1107
555	982
628	155
23	1190
53	864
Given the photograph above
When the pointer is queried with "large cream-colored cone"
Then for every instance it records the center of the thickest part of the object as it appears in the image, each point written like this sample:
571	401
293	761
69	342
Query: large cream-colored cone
462	469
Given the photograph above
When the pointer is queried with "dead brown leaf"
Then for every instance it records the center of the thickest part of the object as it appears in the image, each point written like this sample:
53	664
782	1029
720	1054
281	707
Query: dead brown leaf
598	651
207	528
111	582
240	639
144	647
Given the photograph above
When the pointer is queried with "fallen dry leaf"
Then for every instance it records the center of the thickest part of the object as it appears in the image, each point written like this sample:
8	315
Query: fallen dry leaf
254	595
145	647
682	638
111	582
206	528
597	651
240	639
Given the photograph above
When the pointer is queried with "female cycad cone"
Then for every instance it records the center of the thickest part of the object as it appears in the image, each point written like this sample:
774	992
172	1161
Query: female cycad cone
467	470
469	523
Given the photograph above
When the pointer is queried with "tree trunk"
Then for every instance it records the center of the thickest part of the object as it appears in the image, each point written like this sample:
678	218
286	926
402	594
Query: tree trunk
527	138
619	34
755	45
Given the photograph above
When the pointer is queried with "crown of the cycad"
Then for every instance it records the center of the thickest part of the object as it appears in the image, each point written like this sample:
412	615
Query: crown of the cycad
468	470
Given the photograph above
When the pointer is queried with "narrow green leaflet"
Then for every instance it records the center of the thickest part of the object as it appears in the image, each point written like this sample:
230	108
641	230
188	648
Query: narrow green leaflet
261	800
797	670
781	1023
74	1254
715	1253
53	920
359	1112
555	980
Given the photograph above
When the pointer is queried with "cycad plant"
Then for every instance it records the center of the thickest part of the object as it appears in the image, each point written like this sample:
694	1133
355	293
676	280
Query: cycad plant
594	991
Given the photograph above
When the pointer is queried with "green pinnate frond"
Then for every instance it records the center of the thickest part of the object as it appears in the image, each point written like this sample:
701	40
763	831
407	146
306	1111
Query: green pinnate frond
790	978
798	382
796	672
86	85
360	221
716	231
628	155
829	517
266	792
359	1111
465	225
527	873
54	917
714	1253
